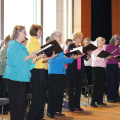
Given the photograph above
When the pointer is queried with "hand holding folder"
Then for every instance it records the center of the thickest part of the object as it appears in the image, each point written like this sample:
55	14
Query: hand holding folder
49	48
75	51
117	57
104	54
80	50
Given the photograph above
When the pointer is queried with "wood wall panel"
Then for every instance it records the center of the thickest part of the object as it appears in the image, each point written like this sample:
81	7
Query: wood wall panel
115	17
86	18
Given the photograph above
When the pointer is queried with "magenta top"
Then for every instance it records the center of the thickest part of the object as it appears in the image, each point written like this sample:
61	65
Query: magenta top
110	48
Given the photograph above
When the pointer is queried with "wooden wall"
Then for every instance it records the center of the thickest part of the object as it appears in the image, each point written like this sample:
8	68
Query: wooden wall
115	17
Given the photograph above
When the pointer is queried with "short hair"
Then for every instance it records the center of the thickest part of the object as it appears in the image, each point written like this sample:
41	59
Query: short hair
7	38
16	29
47	38
76	35
100	39
56	33
114	38
86	40
34	29
68	40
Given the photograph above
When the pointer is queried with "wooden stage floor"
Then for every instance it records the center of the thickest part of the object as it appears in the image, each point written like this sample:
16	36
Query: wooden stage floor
110	112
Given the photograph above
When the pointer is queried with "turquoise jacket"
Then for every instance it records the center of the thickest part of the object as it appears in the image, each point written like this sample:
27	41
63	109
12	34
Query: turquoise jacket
17	68
57	64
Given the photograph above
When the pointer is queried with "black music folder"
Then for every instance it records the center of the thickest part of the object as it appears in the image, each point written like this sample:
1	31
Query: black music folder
103	54
117	57
89	47
49	48
75	51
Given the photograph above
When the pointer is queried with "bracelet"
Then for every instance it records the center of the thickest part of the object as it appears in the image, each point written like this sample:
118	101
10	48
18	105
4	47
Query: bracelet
36	59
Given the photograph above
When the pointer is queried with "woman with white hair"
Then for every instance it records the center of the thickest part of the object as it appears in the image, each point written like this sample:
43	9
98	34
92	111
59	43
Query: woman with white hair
112	70
56	79
98	74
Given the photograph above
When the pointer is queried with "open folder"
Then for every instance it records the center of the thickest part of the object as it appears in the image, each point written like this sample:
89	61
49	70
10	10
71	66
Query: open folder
49	48
75	51
104	54
89	48
117	57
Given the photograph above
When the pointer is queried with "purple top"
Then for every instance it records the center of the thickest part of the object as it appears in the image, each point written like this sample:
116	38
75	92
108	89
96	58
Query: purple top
110	48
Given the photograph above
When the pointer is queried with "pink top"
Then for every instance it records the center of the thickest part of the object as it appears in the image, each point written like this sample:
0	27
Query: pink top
66	51
97	61
78	62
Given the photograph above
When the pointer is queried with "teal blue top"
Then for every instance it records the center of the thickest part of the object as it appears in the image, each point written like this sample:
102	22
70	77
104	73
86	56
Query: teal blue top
57	64
17	68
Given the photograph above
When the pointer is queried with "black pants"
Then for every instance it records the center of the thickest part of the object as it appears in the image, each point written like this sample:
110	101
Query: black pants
17	95
3	87
88	70
4	91
99	78
55	93
112	73
75	81
38	81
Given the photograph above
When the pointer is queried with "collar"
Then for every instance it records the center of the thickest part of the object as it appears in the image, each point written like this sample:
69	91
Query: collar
34	39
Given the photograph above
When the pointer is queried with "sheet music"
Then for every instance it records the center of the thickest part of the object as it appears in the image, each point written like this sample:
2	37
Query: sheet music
78	48
49	45
114	51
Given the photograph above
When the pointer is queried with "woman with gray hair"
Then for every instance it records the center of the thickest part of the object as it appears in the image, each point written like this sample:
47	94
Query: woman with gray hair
17	71
112	70
56	79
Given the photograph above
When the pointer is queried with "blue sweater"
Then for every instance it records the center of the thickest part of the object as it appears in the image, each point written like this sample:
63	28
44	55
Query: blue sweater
57	64
17	68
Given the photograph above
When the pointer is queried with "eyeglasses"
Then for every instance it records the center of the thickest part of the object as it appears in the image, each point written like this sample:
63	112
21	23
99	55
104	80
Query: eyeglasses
58	36
80	37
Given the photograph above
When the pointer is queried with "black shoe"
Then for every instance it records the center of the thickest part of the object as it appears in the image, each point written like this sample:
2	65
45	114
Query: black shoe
59	114
50	115
101	103
111	101
73	110
116	100
93	105
80	109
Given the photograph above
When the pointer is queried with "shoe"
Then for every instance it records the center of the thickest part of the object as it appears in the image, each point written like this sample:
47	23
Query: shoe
4	113
116	100
73	110
93	104
50	115
101	103
42	119
111	101
80	109
59	114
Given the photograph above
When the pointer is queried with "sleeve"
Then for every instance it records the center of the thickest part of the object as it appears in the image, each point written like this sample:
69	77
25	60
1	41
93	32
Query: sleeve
2	59
31	65
68	60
